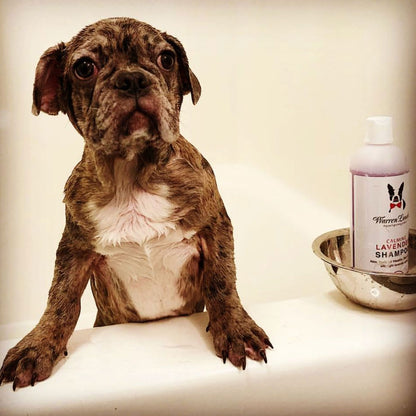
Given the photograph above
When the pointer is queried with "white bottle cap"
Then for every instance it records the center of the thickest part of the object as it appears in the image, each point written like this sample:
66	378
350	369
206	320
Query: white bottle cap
379	130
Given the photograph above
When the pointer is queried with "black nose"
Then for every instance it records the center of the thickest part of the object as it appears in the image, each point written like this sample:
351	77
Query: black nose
131	82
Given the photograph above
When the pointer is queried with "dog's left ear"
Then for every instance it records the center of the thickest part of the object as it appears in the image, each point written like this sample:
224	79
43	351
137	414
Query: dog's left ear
47	86
190	82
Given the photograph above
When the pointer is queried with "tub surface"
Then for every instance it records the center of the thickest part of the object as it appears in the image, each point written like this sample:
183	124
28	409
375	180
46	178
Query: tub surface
331	357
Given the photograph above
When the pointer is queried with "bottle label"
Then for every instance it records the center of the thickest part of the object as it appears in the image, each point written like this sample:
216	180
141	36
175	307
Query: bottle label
380	223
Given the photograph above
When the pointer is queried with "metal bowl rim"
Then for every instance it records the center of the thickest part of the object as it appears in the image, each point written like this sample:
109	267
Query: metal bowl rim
316	247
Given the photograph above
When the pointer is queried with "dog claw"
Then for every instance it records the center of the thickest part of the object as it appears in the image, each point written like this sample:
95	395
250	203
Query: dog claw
243	363
268	343
208	328
263	355
33	380
224	356
15	383
66	353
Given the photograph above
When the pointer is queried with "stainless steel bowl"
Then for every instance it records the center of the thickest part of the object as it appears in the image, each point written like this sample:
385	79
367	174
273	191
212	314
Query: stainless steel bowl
389	292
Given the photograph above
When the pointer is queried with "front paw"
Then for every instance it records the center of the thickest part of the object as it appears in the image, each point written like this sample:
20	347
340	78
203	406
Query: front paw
239	338
28	362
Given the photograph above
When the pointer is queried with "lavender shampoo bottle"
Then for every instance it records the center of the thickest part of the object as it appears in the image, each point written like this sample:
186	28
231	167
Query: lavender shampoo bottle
380	195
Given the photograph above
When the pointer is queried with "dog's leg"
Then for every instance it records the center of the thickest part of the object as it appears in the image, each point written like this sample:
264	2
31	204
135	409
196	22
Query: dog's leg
33	358
234	332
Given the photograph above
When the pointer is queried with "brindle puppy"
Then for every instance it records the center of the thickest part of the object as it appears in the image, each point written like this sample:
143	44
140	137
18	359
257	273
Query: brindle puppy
144	219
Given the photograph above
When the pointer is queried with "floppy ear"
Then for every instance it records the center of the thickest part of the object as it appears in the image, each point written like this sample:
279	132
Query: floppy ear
190	82
47	86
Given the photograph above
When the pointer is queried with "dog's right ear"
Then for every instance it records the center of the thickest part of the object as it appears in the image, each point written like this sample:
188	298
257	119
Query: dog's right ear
47	87
190	82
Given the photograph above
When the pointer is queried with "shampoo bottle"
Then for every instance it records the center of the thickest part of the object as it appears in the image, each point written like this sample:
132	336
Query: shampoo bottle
380	193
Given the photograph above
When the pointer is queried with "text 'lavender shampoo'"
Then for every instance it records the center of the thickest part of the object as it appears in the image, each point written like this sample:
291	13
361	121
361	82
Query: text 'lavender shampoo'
380	195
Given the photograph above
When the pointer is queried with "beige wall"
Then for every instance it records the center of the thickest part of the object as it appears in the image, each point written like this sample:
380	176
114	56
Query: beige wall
287	86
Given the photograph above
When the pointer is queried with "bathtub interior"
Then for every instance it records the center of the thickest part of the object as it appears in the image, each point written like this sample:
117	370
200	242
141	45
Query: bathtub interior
279	143
272	239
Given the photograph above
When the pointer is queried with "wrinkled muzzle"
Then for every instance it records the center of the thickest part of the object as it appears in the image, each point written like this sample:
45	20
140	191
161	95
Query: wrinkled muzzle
130	110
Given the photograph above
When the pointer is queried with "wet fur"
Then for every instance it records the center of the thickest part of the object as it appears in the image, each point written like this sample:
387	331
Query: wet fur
148	172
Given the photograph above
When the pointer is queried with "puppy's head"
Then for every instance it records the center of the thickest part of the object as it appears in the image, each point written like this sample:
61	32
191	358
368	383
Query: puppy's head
121	82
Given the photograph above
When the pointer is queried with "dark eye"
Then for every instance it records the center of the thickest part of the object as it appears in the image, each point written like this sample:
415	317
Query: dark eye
84	68
166	60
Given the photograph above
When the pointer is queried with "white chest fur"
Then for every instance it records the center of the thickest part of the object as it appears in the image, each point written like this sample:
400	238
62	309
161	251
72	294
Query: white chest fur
134	216
144	248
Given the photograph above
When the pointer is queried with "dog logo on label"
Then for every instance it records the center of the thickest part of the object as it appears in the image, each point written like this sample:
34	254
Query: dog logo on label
396	200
